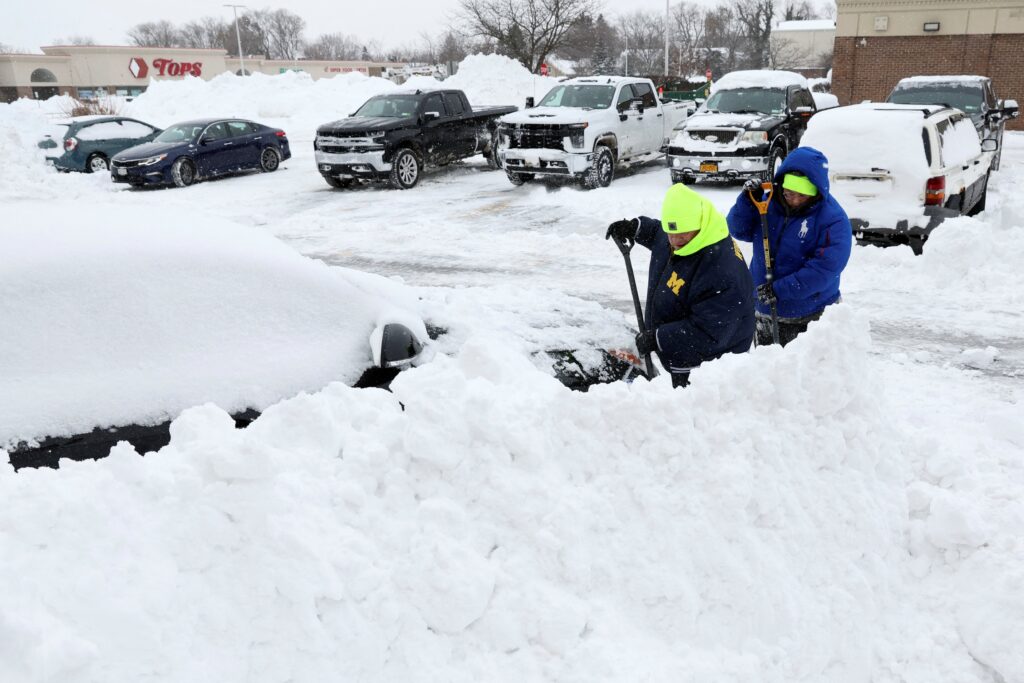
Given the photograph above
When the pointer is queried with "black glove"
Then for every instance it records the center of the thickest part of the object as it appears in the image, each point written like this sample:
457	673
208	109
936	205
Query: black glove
646	342
623	230
765	294
753	186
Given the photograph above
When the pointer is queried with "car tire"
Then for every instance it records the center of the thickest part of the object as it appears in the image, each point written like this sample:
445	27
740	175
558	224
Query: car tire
183	172
270	160
601	173
97	163
406	168
518	178
979	205
493	162
338	183
775	157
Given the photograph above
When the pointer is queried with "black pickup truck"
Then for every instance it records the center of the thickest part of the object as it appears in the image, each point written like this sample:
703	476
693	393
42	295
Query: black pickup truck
393	137
752	120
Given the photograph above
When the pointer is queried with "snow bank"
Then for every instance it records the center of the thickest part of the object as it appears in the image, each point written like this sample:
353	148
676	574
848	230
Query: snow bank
824	100
498	528
498	80
109	322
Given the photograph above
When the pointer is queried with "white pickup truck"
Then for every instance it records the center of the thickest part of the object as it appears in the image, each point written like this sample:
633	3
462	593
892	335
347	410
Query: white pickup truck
585	127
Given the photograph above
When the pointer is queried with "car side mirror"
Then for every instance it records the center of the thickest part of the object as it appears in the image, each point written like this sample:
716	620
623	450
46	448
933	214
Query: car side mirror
529	103
431	116
989	145
394	346
639	104
203	141
1011	109
805	112
690	111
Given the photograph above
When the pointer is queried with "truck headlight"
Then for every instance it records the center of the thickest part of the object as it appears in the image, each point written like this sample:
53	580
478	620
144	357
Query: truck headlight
755	137
375	134
576	134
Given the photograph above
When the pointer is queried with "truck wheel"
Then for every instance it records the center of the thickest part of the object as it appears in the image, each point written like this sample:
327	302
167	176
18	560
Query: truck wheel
775	159
493	162
339	183
405	169
979	206
600	174
518	178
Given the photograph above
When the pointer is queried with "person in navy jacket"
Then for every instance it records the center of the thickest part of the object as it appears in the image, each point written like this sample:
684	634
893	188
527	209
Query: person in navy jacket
810	239
700	298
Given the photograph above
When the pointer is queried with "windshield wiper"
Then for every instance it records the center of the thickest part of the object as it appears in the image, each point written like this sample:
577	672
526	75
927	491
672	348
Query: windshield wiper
746	111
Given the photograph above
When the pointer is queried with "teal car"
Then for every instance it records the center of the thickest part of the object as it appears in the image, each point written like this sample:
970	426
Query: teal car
87	143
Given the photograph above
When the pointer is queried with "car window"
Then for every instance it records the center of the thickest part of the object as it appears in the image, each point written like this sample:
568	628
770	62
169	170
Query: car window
644	91
237	128
802	98
625	95
217	131
583	96
454	104
433	103
927	146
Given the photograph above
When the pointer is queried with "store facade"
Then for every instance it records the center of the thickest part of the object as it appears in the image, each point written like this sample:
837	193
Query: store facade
90	71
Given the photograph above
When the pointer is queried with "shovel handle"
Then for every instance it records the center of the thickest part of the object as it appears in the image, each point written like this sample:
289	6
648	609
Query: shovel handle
762	206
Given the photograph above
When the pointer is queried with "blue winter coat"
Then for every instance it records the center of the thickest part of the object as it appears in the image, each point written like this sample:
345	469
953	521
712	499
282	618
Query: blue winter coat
700	305
809	248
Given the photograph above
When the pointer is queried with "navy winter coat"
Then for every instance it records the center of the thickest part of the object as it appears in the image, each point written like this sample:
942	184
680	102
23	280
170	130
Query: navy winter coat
701	305
809	248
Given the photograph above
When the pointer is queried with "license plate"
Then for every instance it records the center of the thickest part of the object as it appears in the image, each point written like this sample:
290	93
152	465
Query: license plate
122	171
709	167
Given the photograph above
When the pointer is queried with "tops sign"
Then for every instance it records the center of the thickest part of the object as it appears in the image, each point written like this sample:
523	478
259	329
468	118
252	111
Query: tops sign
164	67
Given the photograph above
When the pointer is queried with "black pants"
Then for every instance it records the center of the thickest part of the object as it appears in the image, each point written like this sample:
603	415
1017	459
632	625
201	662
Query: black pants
789	328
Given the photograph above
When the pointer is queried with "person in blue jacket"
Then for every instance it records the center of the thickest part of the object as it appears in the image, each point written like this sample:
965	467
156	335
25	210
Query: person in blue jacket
809	236
700	298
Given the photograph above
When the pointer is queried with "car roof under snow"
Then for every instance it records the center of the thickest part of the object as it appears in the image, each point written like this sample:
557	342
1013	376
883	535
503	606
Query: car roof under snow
922	80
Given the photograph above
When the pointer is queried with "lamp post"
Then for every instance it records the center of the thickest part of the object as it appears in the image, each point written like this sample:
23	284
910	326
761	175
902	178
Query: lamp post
238	37
666	38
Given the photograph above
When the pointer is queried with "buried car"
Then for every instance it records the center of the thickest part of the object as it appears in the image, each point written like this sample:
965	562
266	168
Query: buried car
112	331
196	150
87	143
900	170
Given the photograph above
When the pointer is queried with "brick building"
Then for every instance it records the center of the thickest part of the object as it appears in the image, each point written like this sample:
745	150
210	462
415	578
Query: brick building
878	42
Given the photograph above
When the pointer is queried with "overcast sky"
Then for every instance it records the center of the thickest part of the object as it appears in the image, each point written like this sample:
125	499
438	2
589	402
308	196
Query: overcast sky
29	25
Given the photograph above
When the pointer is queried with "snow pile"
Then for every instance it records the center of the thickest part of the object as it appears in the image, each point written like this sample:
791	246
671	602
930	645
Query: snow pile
291	100
23	125
824	100
109	322
498	528
758	79
114	130
491	80
860	138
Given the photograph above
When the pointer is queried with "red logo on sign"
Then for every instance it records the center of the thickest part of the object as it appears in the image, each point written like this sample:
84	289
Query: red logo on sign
543	69
169	67
138	67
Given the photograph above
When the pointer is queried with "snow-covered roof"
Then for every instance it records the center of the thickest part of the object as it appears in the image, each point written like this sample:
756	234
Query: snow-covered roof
763	78
603	80
962	79
806	25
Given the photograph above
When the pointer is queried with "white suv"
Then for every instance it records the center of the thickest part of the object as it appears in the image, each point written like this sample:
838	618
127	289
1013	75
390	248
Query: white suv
900	170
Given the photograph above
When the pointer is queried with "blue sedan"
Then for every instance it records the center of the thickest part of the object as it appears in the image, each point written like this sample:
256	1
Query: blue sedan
196	150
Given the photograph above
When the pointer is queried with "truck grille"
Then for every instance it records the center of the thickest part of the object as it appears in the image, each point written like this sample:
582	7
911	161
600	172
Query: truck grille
344	144
529	136
345	149
718	136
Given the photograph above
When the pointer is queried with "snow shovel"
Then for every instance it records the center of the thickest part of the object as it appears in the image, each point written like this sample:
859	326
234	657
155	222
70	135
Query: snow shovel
625	246
762	208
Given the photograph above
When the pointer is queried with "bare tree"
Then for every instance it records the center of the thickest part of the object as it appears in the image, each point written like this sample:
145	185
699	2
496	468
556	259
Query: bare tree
333	46
689	29
798	10
284	33
526	30
452	49
827	10
643	36
785	53
154	34
208	33
75	40
755	18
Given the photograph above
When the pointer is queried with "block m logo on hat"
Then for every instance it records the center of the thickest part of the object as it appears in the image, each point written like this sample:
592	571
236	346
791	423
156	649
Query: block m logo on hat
138	67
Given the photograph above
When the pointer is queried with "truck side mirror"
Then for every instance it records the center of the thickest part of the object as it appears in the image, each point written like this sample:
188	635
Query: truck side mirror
989	145
394	346
804	112
429	116
1011	109
529	103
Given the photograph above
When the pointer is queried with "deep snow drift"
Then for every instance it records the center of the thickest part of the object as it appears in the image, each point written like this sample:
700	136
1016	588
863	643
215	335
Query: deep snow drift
847	509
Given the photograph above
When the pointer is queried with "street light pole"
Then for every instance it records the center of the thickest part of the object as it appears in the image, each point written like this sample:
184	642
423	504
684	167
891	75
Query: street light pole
666	38
238	36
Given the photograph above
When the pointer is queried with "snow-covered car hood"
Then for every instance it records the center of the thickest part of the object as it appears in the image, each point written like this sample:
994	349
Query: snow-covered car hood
359	124
123	317
723	120
552	115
